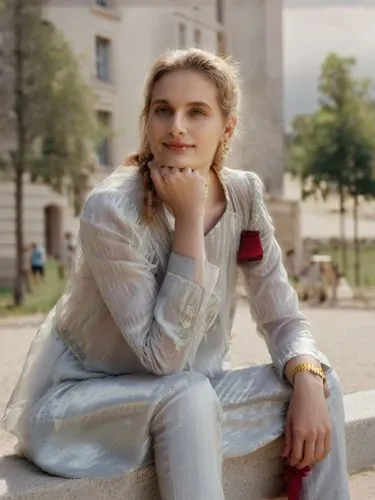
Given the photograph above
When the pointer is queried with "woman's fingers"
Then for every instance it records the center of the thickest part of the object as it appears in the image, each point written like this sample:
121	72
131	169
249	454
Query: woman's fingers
297	449
288	439
308	453
157	178
183	191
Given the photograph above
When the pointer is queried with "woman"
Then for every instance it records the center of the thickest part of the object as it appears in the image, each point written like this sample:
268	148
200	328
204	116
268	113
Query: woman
127	369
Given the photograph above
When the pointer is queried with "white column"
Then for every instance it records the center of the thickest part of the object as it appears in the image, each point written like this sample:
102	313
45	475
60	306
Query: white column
255	40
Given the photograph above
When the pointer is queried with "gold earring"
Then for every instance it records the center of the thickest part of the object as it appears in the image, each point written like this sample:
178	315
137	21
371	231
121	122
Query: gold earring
224	147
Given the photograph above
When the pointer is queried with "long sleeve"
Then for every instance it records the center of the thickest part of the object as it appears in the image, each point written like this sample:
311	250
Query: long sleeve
162	323
273	301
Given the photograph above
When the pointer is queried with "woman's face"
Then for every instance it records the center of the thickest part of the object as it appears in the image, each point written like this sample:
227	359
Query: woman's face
185	123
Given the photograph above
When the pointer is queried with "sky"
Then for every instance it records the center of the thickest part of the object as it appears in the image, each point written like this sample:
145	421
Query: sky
312	29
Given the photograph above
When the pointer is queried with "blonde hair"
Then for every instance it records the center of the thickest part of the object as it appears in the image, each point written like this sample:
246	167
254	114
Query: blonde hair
222	72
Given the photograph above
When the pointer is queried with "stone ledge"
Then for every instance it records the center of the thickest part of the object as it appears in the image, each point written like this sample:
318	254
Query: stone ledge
254	476
360	430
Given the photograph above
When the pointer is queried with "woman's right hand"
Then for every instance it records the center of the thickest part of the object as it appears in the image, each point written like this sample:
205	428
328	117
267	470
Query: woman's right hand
182	190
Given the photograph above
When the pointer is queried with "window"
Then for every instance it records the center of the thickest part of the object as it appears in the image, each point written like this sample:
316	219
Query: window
104	147
102	48
197	37
102	3
182	35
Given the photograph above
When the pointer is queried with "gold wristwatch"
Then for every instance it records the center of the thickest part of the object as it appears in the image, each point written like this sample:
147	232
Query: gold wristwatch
309	367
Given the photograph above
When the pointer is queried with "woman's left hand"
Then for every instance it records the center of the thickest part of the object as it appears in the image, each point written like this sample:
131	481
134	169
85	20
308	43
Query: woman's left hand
308	425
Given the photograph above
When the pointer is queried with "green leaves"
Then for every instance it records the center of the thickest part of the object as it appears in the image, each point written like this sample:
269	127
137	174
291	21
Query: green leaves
334	148
58	119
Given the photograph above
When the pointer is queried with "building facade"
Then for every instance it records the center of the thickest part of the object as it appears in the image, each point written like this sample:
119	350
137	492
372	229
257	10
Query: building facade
116	45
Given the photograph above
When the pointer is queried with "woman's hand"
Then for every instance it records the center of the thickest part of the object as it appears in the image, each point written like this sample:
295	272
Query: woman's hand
183	191
308	426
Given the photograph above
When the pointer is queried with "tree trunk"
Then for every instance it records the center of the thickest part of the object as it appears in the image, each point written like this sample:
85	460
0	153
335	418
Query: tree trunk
357	267
343	245
19	285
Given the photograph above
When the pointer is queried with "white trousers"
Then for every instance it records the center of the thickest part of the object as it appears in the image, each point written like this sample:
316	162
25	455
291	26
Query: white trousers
185	423
188	428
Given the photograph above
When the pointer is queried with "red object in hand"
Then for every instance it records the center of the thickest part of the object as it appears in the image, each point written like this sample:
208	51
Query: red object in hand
294	479
251	249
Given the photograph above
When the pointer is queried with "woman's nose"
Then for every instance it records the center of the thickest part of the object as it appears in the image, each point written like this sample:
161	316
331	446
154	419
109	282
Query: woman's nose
178	126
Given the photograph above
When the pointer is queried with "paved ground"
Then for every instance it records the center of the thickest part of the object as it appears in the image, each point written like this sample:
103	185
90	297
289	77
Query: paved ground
346	337
321	219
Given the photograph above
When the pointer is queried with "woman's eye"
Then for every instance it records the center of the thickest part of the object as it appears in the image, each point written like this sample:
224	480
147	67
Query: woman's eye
197	112
162	110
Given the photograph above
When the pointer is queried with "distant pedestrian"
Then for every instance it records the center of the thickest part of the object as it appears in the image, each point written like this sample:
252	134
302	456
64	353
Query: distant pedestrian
38	262
67	255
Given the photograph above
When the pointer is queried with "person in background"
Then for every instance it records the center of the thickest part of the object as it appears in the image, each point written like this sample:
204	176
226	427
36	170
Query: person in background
38	262
67	254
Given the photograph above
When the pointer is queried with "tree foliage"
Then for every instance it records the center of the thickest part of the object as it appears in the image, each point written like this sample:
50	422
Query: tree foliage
47	119
40	75
333	149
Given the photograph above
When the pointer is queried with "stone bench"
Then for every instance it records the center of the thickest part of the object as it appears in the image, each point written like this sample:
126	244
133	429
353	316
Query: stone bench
255	476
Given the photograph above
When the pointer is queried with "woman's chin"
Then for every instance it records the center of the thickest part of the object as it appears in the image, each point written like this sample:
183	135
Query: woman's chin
175	160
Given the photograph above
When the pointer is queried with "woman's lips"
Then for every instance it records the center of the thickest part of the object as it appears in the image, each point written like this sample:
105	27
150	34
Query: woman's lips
177	148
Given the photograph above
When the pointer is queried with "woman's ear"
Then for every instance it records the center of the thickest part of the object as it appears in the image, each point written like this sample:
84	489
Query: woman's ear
230	127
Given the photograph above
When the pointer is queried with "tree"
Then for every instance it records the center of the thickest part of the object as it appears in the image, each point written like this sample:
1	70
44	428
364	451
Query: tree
309	153
48	110
333	150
